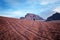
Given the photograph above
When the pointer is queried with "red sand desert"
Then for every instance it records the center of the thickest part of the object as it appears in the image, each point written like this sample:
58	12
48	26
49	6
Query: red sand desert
20	29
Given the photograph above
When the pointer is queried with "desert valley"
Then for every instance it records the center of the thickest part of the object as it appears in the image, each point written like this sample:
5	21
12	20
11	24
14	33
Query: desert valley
24	29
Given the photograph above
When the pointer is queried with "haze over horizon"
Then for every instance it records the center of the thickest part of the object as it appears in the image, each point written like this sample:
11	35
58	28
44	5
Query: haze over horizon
19	8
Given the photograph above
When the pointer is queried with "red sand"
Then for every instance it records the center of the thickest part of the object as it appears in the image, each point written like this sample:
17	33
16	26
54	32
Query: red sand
17	29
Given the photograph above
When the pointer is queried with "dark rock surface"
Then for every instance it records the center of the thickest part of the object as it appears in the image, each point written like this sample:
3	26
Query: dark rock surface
55	16
22	17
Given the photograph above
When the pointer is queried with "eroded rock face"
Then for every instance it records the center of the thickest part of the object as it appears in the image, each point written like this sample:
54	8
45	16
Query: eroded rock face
16	29
55	16
30	16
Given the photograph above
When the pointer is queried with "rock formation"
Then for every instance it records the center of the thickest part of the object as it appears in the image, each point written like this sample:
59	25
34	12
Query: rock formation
55	16
30	16
22	17
16	29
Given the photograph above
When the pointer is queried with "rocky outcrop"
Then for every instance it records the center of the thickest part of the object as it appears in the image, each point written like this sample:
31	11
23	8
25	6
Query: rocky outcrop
55	16
22	17
16	29
30	16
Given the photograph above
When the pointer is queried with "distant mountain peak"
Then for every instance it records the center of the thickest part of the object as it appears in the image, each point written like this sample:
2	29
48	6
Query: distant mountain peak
30	16
55	16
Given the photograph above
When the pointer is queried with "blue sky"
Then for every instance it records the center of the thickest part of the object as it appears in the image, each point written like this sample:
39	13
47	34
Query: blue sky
19	8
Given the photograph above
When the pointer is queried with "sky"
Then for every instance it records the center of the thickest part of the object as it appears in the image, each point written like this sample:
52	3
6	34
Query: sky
19	8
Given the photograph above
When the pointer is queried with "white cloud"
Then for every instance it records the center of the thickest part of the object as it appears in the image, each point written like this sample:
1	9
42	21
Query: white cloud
42	2
57	9
46	2
12	3
32	1
16	13
16	3
6	15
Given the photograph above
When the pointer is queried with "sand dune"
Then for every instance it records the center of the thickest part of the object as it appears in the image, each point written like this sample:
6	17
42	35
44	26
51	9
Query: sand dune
19	29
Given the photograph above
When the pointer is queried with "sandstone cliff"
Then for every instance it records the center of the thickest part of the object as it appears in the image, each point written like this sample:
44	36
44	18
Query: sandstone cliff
30	16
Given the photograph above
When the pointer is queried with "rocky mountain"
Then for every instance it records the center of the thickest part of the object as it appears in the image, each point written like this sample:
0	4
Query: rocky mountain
55	16
30	16
17	29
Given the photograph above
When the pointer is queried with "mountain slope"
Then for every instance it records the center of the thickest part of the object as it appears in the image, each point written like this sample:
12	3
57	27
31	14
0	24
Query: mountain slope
55	16
30	16
19	29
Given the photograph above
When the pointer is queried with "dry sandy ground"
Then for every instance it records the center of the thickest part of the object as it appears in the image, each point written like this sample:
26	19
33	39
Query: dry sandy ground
17	29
